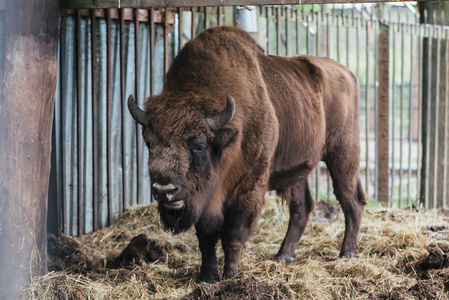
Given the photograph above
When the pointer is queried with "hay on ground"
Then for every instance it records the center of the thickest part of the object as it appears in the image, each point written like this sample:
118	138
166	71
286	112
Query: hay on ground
403	254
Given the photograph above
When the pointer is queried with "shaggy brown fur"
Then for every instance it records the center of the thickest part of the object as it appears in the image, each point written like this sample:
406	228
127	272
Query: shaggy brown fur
290	113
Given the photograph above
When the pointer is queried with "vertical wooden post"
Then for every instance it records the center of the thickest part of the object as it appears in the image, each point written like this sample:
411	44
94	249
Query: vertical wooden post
26	115
383	113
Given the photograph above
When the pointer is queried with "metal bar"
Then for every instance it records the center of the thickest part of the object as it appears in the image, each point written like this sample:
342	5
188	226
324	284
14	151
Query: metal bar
278	31
367	118
80	145
123	109
327	45
307	15
357	38
166	44
268	29
206	18
96	214
152	39
393	107
347	41
109	115
420	96
298	31
180	28
317	38
446	117
401	121
376	33
410	112
137	89
287	31
383	116
193	33
429	95
62	85
220	16
188	3
327	33
338	38
437	117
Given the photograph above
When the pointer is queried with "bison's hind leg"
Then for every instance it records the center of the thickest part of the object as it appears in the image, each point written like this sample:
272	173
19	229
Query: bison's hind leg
301	205
343	166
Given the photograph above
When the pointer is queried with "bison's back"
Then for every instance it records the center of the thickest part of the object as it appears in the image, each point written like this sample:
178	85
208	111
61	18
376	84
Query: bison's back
219	61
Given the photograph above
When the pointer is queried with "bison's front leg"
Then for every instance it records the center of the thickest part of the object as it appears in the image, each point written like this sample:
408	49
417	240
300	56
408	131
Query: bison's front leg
209	265
240	221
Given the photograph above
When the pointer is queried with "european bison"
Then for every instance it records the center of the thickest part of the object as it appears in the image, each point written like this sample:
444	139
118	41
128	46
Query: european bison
232	123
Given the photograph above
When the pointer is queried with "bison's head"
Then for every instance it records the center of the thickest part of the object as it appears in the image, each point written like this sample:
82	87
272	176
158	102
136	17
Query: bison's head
185	145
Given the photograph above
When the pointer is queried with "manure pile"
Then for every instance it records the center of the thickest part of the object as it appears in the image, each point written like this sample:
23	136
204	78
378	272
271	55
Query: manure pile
402	255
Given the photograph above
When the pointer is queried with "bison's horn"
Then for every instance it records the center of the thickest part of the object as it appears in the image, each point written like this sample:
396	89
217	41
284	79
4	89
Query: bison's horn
139	115
221	119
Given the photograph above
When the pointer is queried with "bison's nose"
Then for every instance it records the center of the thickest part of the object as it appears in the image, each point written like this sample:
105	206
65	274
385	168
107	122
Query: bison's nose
164	192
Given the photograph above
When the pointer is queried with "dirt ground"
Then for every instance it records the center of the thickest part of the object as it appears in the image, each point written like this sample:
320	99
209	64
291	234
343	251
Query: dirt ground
403	254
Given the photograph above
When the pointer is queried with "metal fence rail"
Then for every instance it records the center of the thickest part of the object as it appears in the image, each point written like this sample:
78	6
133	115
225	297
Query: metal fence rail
99	162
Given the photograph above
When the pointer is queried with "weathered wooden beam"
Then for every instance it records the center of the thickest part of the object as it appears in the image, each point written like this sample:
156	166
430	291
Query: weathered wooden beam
27	95
128	14
194	3
383	114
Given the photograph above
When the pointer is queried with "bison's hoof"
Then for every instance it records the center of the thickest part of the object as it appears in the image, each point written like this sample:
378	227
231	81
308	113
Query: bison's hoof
285	258
210	275
230	274
348	254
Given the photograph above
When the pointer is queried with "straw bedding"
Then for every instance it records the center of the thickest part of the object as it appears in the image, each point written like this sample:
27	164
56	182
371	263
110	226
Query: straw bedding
403	254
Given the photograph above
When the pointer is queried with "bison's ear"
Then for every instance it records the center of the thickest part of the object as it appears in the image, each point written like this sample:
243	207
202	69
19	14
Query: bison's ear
223	138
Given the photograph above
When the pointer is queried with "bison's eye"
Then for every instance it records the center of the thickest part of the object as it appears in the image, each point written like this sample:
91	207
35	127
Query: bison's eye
199	148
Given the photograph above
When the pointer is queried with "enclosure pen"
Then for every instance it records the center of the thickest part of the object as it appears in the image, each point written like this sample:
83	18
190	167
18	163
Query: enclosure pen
339	33
98	164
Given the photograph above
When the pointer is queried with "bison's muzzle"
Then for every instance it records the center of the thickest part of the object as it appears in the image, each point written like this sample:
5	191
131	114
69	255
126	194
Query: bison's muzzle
168	195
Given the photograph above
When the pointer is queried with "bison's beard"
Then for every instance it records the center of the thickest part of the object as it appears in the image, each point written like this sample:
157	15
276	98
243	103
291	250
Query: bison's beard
177	221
